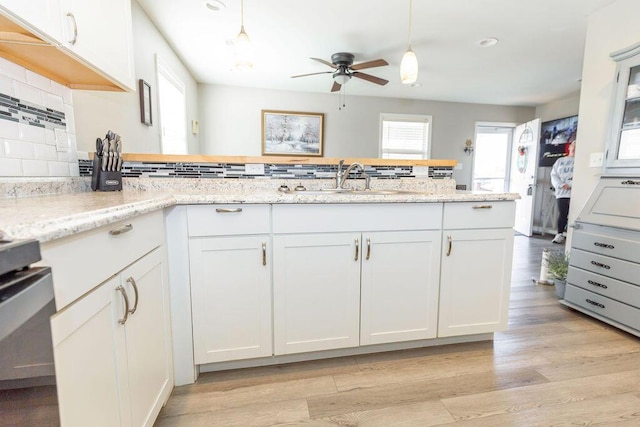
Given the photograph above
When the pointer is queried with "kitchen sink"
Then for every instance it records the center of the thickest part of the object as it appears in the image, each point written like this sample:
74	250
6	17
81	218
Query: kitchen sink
350	192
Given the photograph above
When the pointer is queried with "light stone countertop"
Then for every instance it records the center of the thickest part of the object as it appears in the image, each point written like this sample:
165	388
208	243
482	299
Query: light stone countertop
51	217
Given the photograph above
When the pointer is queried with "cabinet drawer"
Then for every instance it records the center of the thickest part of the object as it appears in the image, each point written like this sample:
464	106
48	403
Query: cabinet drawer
323	218
604	306
82	261
616	243
606	266
468	215
605	286
224	220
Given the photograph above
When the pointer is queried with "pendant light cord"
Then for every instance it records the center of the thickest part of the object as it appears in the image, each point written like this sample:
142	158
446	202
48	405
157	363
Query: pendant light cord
410	20
242	14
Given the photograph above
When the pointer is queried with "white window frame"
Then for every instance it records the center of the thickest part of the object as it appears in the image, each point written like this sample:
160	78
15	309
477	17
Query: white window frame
163	70
413	118
502	125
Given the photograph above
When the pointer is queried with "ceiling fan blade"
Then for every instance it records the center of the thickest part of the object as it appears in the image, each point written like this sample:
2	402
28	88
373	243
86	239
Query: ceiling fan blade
311	74
335	87
370	78
370	64
324	62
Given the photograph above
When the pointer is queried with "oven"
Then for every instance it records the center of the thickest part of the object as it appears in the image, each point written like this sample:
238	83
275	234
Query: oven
27	375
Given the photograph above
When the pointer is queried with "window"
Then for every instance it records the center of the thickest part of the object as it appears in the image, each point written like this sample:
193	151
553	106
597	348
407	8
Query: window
491	157
405	136
172	108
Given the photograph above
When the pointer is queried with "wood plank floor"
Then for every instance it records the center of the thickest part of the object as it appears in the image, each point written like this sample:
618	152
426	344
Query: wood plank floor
553	367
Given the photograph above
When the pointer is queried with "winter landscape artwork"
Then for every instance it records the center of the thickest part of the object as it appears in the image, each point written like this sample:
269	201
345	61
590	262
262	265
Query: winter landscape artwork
289	133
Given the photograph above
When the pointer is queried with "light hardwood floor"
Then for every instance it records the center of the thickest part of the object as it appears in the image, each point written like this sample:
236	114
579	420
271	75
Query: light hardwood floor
553	367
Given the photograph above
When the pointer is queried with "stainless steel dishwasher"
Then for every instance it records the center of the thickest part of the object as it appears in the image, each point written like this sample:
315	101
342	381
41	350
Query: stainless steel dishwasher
27	375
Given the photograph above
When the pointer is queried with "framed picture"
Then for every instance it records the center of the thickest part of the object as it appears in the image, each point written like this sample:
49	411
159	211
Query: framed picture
554	138
289	133
145	102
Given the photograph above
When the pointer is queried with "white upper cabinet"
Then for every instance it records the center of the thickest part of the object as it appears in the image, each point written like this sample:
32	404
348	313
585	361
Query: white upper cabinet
43	16
100	32
623	151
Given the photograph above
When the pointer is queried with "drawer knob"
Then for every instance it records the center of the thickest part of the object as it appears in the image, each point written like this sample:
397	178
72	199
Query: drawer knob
121	230
600	285
228	210
597	304
601	265
604	245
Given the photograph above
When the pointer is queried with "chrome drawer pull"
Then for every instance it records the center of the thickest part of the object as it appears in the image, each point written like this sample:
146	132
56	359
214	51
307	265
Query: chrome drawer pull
604	245
132	281
597	304
357	250
368	249
228	210
264	253
126	305
450	245
481	207
600	285
630	182
121	230
601	265
75	28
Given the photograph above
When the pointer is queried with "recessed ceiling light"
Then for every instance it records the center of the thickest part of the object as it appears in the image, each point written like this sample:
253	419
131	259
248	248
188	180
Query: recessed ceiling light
215	5
488	42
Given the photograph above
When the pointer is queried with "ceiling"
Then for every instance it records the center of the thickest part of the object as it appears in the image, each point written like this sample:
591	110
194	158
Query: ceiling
538	58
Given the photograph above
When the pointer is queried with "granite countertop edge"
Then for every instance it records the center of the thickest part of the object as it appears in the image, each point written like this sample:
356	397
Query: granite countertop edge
49	218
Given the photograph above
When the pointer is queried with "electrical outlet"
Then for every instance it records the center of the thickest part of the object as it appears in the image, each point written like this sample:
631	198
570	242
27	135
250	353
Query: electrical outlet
62	141
595	160
254	169
458	166
195	127
421	170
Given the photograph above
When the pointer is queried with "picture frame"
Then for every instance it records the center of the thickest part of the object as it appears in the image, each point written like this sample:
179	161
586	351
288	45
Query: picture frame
292	133
145	102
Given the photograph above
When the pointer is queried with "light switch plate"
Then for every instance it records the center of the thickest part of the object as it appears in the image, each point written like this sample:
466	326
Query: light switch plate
254	169
458	166
62	141
595	160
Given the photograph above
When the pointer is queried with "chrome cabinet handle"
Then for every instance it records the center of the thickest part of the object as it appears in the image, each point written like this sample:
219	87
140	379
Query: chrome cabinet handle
228	210
630	182
357	250
601	265
75	28
604	245
121	230
450	245
482	207
135	293
600	285
264	253
597	304
126	305
368	248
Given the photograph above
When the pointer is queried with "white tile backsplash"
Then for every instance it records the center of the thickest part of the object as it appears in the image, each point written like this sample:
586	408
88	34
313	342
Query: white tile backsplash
27	150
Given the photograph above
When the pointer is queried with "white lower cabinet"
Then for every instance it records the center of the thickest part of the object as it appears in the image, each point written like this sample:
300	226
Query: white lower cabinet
112	349
475	272
231	297
316	291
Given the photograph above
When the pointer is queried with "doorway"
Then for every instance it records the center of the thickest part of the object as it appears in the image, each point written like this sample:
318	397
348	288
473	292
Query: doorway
491	158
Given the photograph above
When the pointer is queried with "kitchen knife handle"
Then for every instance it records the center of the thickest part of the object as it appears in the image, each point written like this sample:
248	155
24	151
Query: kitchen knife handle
121	230
75	29
126	305
135	293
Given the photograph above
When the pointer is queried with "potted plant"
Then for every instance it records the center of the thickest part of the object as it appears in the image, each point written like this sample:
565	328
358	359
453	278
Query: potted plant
558	264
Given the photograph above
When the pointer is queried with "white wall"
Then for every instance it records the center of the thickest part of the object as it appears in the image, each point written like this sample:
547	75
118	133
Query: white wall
97	112
612	28
231	121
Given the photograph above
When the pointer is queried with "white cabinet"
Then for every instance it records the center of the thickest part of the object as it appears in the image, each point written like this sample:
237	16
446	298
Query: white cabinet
111	333
349	275
43	16
112	349
100	32
230	267
476	268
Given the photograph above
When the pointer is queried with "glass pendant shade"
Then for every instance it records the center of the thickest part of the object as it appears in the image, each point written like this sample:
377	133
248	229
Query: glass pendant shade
409	67
243	51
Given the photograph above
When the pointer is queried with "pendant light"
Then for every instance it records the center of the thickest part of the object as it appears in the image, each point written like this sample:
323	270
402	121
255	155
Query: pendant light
409	63
243	50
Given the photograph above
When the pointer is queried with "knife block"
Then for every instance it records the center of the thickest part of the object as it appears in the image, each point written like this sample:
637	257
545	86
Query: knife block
104	180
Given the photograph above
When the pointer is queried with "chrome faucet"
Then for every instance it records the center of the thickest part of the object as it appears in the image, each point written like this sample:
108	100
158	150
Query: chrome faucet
341	176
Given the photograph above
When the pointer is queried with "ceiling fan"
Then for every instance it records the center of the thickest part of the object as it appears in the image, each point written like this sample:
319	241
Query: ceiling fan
343	70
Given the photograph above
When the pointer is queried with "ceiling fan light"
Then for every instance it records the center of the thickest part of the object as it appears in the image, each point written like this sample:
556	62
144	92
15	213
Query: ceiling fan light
243	51
409	67
341	78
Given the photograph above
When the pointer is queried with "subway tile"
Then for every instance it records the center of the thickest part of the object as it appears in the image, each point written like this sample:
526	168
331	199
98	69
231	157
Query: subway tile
63	91
6	85
18	149
53	101
35	167
13	71
50	136
45	152
27	93
58	169
10	167
73	169
9	129
71	124
27	132
38	81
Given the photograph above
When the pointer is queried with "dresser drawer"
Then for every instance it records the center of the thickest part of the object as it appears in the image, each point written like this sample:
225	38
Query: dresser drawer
614	310
82	261
470	215
606	266
605	286
613	242
224	220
